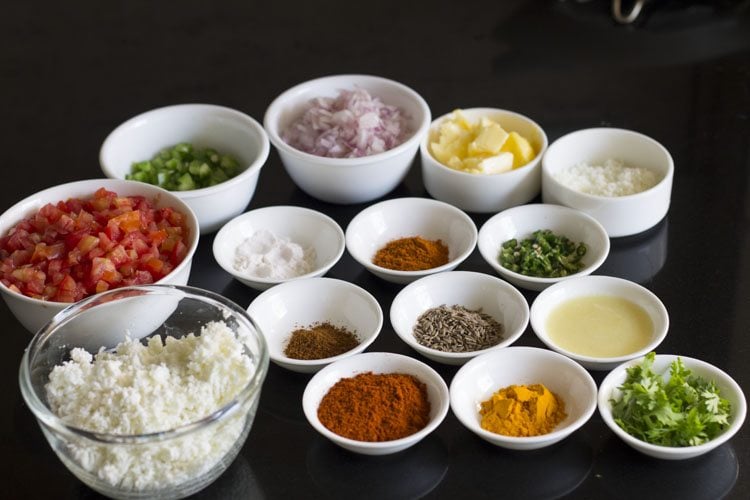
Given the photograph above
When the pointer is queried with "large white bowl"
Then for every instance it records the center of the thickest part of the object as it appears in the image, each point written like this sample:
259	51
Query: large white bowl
376	362
306	227
347	180
586	286
728	388
464	288
203	125
378	224
480	192
300	303
521	222
622	215
35	313
484	375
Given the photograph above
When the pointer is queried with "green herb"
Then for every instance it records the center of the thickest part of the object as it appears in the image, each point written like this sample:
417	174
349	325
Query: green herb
545	255
687	410
182	168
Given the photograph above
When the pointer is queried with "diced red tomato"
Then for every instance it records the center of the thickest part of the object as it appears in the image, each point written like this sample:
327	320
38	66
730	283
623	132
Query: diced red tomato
77	247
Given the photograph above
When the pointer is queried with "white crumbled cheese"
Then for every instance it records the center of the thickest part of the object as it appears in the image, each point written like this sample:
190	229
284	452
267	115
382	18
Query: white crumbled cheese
266	255
614	178
141	389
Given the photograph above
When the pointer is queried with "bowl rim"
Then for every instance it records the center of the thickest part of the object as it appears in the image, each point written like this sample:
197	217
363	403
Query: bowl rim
557	185
221	235
460	214
409	339
608	387
270	121
520	171
583	217
333	282
252	169
46	417
588	409
657	339
434	378
169	195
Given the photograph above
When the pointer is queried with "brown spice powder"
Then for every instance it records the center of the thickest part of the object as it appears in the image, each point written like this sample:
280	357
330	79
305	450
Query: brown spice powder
412	254
320	340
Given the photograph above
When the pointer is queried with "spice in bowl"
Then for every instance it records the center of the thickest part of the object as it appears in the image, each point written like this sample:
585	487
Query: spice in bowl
457	329
269	256
483	147
184	167
412	254
613	178
351	125
522	411
376	407
544	255
320	341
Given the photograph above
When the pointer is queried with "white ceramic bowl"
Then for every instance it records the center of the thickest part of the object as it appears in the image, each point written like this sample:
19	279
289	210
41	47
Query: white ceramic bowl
376	362
347	180
480	192
378	224
35	313
585	286
300	303
623	215
520	222
728	388
303	226
468	289
203	125
105	461
484	375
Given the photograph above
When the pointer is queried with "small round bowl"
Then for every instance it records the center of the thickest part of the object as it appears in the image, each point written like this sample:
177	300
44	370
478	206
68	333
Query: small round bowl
585	286
306	227
479	192
203	125
468	289
104	462
728	389
484	375
378	224
34	313
300	303
376	362
521	222
347	180
620	215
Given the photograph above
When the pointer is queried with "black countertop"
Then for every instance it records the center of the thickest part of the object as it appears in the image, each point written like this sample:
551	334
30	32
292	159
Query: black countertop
72	71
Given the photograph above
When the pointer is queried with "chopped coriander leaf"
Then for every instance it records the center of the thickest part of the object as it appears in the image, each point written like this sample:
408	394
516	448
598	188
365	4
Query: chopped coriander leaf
544	255
183	167
686	410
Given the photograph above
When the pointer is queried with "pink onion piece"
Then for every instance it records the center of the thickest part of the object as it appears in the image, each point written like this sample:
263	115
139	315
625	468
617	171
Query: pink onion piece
351	125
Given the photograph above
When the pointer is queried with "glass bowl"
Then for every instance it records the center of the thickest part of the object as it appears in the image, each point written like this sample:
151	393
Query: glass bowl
171	463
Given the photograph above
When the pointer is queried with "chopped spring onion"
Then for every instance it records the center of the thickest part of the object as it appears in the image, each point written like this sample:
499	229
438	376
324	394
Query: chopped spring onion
544	255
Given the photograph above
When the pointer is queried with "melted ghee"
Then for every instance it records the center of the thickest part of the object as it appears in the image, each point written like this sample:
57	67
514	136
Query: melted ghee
600	326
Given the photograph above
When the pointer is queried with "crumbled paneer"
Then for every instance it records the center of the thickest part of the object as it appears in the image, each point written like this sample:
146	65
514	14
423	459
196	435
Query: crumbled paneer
139	389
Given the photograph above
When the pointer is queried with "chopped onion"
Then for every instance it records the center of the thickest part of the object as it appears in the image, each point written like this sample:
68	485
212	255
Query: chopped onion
351	125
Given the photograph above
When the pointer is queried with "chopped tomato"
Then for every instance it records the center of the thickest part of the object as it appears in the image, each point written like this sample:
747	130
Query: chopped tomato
77	247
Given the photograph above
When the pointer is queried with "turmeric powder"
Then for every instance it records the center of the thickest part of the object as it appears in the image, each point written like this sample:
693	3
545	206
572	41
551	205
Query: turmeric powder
522	410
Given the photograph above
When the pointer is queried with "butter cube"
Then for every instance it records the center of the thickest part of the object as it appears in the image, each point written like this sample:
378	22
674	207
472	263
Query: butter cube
490	139
523	151
503	162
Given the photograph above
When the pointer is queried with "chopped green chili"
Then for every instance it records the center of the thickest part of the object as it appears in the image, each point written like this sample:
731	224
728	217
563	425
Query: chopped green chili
183	167
544	255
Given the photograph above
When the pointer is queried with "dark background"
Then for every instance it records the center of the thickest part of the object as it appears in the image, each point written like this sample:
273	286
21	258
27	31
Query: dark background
70	72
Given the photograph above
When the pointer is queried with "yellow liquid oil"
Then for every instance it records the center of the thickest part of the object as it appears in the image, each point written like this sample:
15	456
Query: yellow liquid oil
600	326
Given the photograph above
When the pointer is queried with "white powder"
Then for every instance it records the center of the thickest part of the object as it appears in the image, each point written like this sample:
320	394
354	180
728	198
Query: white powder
265	255
148	388
614	178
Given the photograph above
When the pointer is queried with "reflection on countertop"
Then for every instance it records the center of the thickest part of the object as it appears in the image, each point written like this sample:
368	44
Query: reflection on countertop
638	258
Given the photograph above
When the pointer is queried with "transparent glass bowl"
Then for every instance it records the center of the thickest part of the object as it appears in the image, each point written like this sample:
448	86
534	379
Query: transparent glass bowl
149	465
